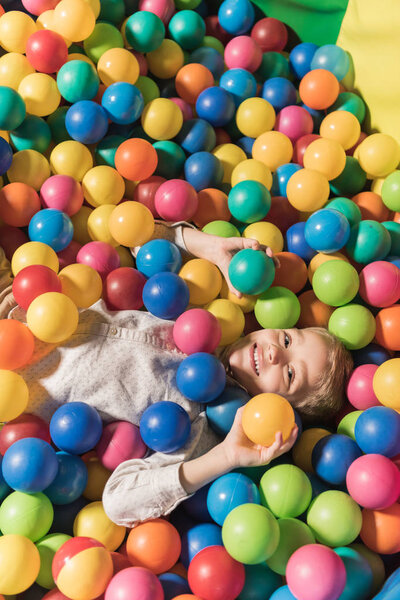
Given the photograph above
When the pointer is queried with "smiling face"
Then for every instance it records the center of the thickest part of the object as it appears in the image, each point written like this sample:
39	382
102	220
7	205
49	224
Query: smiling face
288	362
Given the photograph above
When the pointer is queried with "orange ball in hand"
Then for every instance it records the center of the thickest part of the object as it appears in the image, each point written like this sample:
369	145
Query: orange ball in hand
265	415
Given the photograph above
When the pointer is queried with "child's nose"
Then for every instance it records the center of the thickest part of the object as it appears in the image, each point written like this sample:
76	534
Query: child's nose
273	354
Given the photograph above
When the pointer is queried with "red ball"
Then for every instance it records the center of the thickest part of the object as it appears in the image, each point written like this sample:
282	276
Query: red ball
46	50
120	562
301	146
214	575
197	330
145	192
11	238
24	426
270	34
16	344
68	255
32	282
282	213
123	289
55	594
214	29
119	441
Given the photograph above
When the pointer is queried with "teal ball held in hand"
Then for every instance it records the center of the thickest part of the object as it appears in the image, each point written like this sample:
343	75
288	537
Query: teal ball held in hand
249	201
251	271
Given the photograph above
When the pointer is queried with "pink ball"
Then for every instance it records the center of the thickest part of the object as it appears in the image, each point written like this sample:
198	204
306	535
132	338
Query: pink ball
120	441
63	193
380	283
135	583
36	7
102	257
359	388
243	53
145	192
373	481
68	255
186	109
197	330
162	8
176	200
315	572
294	121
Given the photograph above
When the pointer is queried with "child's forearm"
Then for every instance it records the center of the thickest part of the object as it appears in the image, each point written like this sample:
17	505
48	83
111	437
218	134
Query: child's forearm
196	473
200	244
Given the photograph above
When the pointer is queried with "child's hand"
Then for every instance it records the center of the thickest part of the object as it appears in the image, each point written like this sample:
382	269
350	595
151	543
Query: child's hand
241	452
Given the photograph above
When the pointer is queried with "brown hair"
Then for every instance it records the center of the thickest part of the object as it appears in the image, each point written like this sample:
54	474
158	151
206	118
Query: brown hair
328	397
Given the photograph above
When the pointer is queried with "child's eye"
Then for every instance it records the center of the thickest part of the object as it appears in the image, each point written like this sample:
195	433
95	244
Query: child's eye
287	340
290	374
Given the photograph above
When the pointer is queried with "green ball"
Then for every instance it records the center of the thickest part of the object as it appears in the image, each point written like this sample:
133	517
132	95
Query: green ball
171	158
251	271
369	241
76	49
212	42
30	515
293	535
77	80
187	29
56	122
144	31
47	547
351	180
348	208
348	423
186	4
148	87
112	11
33	134
277	308
221	228
391	191
12	108
359	579
354	325
273	64
250	534
394	232
334	518
106	149
249	201
260	583
286	491
350	102
335	282
103	37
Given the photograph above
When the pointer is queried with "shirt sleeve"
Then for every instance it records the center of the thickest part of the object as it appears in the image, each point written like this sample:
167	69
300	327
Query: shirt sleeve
172	232
7	301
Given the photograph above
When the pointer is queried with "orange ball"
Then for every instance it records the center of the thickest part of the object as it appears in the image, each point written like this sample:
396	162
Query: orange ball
371	206
155	545
186	597
191	80
265	415
212	206
388	327
319	89
380	529
313	312
136	159
16	344
292	273
18	203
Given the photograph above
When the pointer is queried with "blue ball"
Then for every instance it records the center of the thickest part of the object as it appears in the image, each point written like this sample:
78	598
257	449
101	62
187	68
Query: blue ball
298	422
158	256
52	227
279	92
296	242
197	538
29	465
70	481
359	577
173	585
196	505
196	135
216	106
281	177
239	82
327	230
165	426
222	411
331	58
86	122
166	295
371	354
76	427
203	170
210	58
246	144
282	593
6	156
332	456
236	16
123	102
377	431
65	514
228	492
201	377
300	58
395	260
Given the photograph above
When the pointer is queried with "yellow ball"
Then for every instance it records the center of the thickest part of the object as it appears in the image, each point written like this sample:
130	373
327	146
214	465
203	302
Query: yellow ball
255	116
266	234
103	185
166	60
46	21
6	136
131	224
19	564
273	148
92	521
74	19
376	185
30	167
162	119
302	450
254	170
230	156
13	68
204	280
98	227
40	94
230	317
34	253
78	56
378	154
95	5
85	576
82	284
71	158
245	303
52	317
80	223
265	415
341	126
125	257
325	156
14	395
97	477
15	29
307	190
319	259
386	383
118	64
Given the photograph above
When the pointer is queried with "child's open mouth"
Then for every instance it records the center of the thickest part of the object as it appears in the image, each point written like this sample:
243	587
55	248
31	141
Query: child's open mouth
254	359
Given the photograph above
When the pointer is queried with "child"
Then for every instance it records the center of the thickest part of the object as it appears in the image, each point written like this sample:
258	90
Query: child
121	362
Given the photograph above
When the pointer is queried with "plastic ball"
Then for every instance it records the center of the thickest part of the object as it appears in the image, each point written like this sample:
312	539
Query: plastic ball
40	93
165	426
97	479
119	441
154	545
144	31
335	282
204	280
13	109
325	458
46	51
216	106
300	58
264	416
136	159
52	317
162	119
251	272
15	29
14	395
187	28
325	156
228	492
100	256
197	538
380	531
92	522
176	200
378	154
293	535
353	324
249	201
174	586
371	206
271	34
34	253
77	80
380	284
333	59
201	377
29	167
295	122
347	424
70	481
29	465
215	575
145	584
16	344
157	256
387	332
221	412
71	158
131	224
348	208
296	242
74	20
13	68
236	16
369	241
243	52
327	230
52	227
86	122
221	228
373	481
19	202
203	170
123	289
334	518
254	170
230	318
63	193
341	126
166	60
239	82
23	426
117	65
166	295
359	388
308	190
359	574
75	427
377	431
197	330
385	383
81	283
279	92
255	116
123	103
6	156
319	89
20	563
285	490
230	156
277	308
47	547
390	191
